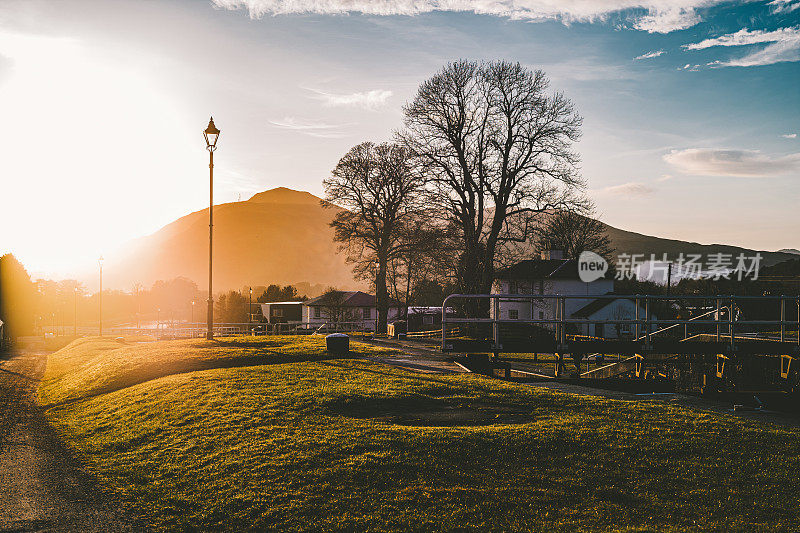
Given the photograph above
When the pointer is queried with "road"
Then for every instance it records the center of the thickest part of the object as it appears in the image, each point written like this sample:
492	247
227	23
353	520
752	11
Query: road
43	487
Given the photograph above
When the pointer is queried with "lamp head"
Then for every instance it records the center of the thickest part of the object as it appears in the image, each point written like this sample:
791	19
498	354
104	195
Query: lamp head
211	135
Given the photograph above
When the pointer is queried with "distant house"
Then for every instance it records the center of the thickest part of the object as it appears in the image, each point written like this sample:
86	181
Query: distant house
355	309
425	318
601	310
552	275
549	275
282	312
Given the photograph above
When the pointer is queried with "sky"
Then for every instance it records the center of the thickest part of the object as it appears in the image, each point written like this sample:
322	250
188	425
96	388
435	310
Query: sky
691	107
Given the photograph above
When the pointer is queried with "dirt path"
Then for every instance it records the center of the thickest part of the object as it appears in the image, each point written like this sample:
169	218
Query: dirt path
42	486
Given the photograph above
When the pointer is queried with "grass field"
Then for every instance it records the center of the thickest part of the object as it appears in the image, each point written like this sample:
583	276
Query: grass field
347	444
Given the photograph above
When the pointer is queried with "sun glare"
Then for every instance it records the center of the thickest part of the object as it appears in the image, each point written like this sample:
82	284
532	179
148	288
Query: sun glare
98	146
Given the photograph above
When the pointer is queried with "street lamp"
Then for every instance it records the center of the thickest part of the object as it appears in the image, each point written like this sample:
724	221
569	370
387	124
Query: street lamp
250	308
211	134
192	312
100	262
76	311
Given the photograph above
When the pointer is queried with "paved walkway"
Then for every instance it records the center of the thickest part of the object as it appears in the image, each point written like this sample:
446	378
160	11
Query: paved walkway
42	486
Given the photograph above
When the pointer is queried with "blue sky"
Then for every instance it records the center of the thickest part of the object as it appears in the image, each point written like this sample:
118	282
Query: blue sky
691	107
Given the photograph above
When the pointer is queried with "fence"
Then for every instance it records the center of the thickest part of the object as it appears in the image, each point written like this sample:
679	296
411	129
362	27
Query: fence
725	326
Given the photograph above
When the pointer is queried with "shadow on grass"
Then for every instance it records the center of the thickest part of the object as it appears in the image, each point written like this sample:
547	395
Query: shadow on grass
423	410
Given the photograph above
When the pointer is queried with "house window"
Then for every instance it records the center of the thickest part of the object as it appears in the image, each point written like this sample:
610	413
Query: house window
367	313
427	320
541	315
317	312
513	314
512	287
277	313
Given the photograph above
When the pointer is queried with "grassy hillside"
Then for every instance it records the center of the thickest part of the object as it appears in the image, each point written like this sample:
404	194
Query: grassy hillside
96	365
347	444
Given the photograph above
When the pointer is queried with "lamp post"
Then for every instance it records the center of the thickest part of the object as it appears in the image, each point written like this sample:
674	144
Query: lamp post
100	300
211	134
192	312
250	308
76	311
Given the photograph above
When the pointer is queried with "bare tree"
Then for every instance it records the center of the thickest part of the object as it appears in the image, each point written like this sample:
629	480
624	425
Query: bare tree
574	233
379	191
334	308
425	258
495	149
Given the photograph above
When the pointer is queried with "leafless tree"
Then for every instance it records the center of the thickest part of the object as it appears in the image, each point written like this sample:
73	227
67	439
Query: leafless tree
574	233
427	257
496	150
333	308
379	191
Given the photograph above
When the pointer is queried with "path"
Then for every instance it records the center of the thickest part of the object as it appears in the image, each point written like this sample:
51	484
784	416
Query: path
42	486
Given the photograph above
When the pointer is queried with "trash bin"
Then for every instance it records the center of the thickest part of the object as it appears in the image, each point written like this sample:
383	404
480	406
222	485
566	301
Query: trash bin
337	344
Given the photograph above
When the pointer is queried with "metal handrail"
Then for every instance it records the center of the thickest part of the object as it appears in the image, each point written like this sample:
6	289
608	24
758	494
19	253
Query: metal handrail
560	321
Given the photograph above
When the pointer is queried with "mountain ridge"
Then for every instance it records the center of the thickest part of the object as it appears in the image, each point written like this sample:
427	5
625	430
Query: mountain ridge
284	236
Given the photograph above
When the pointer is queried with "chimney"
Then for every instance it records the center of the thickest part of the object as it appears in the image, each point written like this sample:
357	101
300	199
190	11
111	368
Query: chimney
552	254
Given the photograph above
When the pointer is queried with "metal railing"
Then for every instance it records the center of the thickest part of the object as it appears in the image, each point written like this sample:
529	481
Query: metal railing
643	327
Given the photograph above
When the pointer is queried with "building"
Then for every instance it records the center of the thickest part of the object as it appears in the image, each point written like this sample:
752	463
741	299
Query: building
602	310
282	312
552	275
348	309
547	276
422	318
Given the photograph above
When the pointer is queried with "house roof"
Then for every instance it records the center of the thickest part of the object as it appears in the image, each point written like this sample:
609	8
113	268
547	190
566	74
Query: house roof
596	305
282	303
534	269
347	299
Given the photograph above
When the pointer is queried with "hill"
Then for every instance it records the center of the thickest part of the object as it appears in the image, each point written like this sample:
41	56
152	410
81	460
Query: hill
277	236
635	243
283	236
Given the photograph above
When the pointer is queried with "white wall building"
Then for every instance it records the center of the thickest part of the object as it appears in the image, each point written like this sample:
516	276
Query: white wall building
551	275
354	309
555	276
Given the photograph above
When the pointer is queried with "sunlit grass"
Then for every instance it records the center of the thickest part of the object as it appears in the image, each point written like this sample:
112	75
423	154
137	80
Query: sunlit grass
347	444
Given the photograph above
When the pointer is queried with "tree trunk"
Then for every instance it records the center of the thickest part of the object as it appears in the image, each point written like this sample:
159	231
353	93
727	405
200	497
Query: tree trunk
381	296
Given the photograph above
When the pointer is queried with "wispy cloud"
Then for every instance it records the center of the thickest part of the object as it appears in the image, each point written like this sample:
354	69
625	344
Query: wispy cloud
630	189
784	6
668	19
649	55
734	163
366	100
789	135
654	16
312	128
783	45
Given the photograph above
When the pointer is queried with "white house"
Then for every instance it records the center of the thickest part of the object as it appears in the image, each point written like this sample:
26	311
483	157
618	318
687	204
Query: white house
553	275
550	275
601	310
355	309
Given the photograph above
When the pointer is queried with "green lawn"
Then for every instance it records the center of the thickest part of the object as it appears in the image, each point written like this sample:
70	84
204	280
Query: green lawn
347	444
